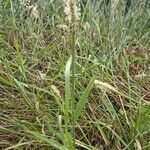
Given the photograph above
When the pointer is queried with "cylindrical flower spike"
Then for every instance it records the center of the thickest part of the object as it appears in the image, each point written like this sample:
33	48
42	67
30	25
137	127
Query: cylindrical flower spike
71	11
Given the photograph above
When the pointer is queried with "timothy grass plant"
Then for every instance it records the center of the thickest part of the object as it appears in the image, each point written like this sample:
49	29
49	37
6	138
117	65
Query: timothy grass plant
74	78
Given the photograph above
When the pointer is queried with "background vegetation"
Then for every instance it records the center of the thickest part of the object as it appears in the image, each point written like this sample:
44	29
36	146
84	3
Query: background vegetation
112	47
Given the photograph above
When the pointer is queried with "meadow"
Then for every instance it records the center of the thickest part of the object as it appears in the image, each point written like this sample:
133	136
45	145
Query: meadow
82	85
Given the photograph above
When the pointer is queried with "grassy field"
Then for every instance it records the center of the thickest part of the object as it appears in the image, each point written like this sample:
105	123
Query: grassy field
88	91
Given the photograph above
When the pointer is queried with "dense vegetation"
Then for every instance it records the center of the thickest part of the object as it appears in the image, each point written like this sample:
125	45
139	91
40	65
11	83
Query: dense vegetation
111	107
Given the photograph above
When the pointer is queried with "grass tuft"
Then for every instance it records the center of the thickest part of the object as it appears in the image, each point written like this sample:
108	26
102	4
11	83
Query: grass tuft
83	87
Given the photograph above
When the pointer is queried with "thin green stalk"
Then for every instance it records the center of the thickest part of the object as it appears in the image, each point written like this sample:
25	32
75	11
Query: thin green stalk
73	81
73	53
73	93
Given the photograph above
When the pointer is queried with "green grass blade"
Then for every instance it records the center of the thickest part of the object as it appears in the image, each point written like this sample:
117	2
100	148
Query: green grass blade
17	145
45	139
83	100
67	90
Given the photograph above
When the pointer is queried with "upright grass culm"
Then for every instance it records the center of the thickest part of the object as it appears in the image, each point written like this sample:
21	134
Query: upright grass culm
72	17
113	4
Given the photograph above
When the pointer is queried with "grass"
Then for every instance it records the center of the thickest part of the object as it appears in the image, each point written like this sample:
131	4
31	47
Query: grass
111	78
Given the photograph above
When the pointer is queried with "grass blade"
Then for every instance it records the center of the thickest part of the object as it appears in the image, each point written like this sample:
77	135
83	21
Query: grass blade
67	91
83	100
52	142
